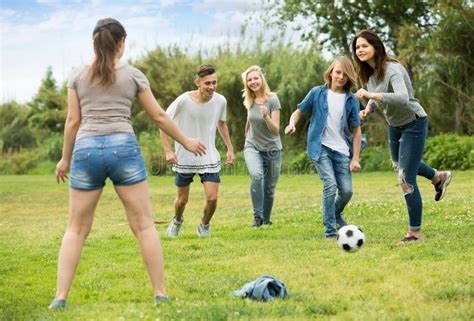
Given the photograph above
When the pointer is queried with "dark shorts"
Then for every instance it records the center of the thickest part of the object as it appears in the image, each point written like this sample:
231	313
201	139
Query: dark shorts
185	179
116	156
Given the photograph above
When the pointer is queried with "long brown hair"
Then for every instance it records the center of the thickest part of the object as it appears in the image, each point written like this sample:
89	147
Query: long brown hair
107	35
380	56
348	69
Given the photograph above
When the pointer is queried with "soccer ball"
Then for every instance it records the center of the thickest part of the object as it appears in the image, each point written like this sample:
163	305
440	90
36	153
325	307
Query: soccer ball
350	238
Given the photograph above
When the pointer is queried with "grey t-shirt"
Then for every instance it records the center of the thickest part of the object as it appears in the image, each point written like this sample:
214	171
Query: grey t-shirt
399	103
106	111
259	135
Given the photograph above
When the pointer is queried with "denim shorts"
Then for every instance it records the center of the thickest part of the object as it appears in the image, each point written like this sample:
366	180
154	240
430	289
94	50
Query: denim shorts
115	156
185	179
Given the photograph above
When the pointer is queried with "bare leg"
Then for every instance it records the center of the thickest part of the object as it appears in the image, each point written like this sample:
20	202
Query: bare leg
211	190
136	200
182	196
82	205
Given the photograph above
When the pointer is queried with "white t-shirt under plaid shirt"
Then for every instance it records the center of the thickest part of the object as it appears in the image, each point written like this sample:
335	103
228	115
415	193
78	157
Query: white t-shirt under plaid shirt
198	121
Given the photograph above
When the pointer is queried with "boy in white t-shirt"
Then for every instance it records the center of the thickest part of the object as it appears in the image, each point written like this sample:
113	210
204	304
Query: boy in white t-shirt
198	114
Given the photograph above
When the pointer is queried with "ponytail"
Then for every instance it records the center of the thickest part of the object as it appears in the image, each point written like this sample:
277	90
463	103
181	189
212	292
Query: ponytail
107	35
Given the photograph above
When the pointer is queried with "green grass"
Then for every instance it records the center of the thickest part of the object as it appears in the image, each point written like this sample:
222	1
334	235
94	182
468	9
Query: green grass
430	280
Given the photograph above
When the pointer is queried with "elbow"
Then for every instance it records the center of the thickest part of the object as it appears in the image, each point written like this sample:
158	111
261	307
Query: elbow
73	123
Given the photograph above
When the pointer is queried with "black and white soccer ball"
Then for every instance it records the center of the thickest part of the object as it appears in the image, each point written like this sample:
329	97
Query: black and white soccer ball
350	238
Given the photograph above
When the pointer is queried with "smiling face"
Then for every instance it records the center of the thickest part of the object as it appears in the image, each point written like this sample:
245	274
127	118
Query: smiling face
207	85
254	81
364	51
338	78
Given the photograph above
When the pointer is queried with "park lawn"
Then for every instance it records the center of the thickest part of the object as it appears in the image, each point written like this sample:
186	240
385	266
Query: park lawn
429	280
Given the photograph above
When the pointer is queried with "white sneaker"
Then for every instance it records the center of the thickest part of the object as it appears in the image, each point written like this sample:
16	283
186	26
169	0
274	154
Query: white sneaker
173	228
204	230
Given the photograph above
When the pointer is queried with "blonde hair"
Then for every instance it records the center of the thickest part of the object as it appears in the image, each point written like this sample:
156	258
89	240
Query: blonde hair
348	69
248	94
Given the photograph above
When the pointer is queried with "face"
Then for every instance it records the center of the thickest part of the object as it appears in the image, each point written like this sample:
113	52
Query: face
338	78
364	50
207	85
254	81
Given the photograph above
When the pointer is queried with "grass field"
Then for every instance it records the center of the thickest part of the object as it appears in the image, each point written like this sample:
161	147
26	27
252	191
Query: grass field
429	280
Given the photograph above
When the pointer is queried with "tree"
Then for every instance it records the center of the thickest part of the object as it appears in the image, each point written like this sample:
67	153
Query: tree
333	23
14	131
48	108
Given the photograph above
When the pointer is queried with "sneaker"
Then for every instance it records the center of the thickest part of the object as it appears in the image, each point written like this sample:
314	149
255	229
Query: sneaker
161	299
330	236
57	305
442	185
204	230
257	222
267	222
173	228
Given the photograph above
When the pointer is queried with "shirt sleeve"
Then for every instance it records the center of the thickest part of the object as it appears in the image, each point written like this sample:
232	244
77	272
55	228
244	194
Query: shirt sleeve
223	116
274	103
399	96
306	106
172	109
72	80
140	80
354	118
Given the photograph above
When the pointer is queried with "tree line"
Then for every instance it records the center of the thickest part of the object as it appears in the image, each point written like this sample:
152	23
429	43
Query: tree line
433	39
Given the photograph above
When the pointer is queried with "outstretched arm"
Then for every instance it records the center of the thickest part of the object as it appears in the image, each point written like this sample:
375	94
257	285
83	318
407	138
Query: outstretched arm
294	119
73	120
162	120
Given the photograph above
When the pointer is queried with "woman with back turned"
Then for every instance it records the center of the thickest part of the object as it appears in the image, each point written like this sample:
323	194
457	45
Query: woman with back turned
99	142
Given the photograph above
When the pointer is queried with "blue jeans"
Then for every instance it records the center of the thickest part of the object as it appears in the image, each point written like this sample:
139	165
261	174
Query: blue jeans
333	169
264	170
407	143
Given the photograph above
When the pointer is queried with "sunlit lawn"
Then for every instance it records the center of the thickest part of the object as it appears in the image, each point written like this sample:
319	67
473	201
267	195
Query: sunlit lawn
431	280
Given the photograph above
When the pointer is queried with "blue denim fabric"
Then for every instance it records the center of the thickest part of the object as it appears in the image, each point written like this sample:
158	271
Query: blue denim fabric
185	179
407	143
316	104
333	169
116	156
264	170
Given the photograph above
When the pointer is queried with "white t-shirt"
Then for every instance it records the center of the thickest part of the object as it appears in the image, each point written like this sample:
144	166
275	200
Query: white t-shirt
333	136
198	121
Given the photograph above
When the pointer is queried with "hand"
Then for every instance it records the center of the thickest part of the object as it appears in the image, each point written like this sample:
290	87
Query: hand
230	157
364	113
362	93
354	166
61	170
195	146
263	110
171	157
290	129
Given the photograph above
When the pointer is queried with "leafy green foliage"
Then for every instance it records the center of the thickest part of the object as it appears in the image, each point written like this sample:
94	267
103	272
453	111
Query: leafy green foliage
14	131
450	152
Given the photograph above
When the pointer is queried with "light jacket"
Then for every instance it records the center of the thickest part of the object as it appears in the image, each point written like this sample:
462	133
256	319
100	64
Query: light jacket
316	103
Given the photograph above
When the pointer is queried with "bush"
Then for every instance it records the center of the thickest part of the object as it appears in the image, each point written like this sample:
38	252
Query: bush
53	147
450	151
153	153
19	163
375	158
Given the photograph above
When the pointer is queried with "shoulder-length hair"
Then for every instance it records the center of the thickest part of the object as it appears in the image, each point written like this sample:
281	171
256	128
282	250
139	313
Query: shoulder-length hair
348	69
248	94
107	35
381	57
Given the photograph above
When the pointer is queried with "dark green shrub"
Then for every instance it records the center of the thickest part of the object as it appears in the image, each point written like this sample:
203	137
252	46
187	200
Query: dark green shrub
450	151
19	163
153	153
53	147
375	158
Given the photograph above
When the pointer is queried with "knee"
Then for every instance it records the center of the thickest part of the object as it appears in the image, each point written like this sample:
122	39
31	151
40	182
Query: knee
346	193
406	187
81	231
330	188
181	201
211	200
256	176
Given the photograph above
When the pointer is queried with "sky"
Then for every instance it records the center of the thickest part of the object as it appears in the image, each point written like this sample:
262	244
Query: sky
35	34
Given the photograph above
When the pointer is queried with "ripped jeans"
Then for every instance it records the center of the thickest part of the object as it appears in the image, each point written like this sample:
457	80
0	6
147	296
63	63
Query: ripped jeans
264	170
407	143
